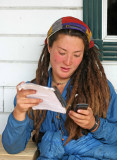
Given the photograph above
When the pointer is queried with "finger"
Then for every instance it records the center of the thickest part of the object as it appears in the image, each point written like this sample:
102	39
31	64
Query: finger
25	107
79	121
75	115
29	101
24	93
84	112
17	87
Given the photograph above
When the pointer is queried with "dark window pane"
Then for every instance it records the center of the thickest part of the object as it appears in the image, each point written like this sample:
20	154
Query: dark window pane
112	17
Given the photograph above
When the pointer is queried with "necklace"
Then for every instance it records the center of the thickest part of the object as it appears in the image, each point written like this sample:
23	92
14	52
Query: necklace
58	83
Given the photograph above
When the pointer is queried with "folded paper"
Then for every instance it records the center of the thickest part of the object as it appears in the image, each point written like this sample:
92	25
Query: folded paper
48	95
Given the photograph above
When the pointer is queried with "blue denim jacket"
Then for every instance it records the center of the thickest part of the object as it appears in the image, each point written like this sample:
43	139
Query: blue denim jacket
101	144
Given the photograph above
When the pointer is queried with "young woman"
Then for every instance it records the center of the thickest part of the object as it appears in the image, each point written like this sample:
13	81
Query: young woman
70	62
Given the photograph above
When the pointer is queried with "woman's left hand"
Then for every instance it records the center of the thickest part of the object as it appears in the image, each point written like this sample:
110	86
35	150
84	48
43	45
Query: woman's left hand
84	118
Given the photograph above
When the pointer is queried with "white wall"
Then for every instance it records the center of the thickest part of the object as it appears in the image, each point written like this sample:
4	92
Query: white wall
23	28
111	72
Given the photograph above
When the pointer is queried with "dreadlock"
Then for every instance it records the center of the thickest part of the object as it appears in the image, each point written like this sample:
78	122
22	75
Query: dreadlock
42	76
89	85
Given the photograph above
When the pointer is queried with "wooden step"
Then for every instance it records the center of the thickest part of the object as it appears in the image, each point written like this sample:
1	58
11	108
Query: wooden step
28	154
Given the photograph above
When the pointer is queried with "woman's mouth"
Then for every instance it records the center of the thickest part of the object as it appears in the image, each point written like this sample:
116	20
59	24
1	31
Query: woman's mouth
64	69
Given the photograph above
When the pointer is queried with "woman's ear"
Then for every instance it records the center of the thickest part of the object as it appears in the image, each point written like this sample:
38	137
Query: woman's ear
49	48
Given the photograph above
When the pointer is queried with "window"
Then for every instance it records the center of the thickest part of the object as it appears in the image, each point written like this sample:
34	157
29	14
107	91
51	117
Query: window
96	14
111	18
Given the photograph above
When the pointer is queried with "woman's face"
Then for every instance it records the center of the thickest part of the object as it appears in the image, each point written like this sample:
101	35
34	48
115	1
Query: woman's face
66	54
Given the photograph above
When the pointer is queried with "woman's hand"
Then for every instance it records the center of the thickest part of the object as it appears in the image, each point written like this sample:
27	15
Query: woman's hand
24	103
84	118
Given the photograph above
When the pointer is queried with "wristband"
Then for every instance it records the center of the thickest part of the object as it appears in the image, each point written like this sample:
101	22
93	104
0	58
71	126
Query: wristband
96	124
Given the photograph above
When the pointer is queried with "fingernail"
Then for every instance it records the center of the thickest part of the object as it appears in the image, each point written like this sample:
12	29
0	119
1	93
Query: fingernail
69	112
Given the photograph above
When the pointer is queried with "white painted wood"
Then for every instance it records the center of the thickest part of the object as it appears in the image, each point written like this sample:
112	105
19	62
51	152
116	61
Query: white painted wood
111	72
14	73
41	3
1	99
110	39
9	94
32	21
3	121
23	28
104	19
21	48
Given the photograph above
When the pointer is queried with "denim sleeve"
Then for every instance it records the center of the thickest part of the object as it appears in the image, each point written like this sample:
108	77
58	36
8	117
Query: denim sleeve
16	134
107	131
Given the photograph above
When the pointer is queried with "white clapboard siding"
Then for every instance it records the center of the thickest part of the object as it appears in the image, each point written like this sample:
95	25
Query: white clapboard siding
23	28
32	21
1	99
13	73
3	121
111	72
21	48
41	3
9	94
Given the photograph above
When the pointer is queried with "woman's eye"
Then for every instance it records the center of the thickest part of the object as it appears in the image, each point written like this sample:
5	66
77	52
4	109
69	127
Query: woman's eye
61	53
77	55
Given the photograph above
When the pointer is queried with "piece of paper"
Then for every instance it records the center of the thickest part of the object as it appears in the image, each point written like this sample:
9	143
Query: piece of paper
50	100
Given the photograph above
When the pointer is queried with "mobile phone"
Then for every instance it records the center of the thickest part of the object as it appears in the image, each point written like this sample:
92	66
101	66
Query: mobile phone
83	106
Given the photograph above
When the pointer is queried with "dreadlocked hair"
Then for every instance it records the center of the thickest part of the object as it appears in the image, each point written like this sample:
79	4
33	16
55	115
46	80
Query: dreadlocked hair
42	76
89	85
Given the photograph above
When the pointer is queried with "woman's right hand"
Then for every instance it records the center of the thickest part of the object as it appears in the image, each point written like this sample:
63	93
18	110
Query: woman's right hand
24	103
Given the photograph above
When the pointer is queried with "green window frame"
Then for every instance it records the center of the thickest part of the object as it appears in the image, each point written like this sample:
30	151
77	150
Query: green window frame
92	16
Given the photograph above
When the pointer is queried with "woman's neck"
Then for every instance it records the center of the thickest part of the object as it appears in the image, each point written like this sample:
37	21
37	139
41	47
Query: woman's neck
58	82
60	86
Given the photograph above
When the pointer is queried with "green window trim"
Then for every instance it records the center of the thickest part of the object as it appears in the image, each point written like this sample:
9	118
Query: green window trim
92	16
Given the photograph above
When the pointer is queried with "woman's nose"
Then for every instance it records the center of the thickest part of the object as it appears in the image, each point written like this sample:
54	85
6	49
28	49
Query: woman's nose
68	60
